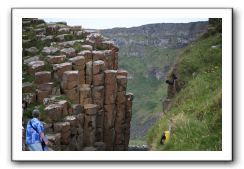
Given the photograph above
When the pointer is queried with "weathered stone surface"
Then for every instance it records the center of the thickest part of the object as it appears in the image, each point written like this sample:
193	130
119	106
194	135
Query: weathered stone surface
98	80
109	59
53	113
56	59
45	87
61	127
27	87
48	127
98	95
47	39
64	105
115	58
78	61
55	140
100	118
108	138
95	38
121	83
29	97
122	73
30	59
50	50
77	109
110	76
41	94
31	51
73	95
70	80
68	44
98	67
98	55
61	68
69	52
82	76
86	47
87	55
121	97
42	77
81	119
35	66
63	37
90	124
85	95
110	93
73	121
109	116
120	114
89	72
91	109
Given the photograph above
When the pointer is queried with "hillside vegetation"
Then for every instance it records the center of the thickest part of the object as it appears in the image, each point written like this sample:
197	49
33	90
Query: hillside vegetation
196	111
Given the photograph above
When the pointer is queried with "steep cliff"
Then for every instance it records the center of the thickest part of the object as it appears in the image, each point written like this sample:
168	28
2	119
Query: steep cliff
193	107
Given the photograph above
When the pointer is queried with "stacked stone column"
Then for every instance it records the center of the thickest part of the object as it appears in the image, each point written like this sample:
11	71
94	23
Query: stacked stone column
110	108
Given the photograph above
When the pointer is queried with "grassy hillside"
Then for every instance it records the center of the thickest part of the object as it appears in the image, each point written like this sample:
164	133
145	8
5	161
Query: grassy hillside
196	112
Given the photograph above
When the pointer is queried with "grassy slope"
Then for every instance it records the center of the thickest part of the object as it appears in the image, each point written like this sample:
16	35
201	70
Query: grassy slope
197	109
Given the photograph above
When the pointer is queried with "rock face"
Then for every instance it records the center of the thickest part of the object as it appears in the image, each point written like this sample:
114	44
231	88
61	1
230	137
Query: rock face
74	75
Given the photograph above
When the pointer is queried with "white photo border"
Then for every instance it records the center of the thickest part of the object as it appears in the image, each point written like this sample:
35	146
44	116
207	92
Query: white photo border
227	124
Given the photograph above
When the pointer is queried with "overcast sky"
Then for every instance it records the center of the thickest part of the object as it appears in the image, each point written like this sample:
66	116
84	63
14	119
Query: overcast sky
105	23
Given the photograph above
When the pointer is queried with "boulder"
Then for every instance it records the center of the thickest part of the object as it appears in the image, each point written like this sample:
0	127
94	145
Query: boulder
59	69
30	59
70	80
69	52
50	51
31	51
29	97
35	66
42	77
56	59
53	113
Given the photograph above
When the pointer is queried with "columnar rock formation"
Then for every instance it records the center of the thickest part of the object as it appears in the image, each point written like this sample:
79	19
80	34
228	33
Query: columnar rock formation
73	76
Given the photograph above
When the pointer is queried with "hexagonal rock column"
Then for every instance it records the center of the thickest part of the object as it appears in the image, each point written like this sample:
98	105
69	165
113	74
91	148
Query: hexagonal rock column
128	115
42	79
89	72
64	129
120	113
70	86
56	59
78	63
35	66
98	73
109	108
90	124
53	113
85	94
59	69
87	55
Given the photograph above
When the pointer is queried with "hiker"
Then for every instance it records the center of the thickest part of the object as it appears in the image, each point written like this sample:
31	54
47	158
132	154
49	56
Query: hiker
163	138
35	138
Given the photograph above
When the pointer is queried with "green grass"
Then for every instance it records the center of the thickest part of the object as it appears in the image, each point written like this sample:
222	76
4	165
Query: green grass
196	113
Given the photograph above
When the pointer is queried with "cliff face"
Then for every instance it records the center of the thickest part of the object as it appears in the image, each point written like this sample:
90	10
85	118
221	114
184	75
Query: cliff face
72	77
163	35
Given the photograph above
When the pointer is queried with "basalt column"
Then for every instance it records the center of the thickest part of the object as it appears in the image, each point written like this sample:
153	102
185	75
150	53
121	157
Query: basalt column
98	96
120	125
90	124
109	108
